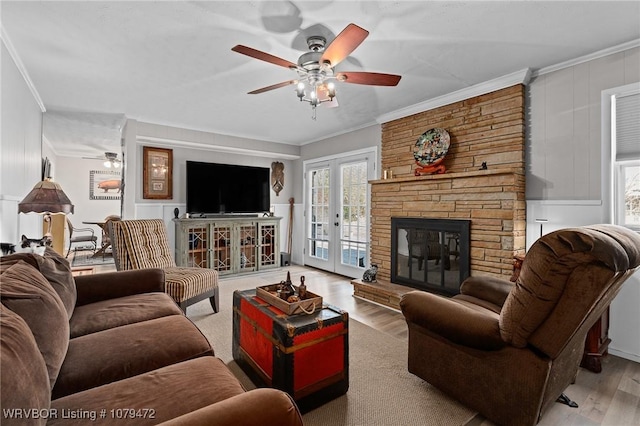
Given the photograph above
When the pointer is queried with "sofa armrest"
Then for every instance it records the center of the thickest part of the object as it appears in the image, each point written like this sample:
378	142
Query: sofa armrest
258	407
486	287
110	285
452	321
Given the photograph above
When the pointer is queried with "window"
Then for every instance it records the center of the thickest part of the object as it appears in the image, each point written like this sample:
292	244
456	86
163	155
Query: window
627	202
625	120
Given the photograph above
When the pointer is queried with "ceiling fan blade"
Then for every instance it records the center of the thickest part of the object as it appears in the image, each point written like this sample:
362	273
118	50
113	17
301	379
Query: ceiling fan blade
369	78
273	86
263	56
345	43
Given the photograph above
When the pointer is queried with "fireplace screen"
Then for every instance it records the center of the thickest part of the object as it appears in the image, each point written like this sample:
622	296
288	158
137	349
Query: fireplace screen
430	254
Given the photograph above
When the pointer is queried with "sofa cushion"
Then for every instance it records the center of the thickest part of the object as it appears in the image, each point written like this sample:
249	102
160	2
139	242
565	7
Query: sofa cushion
157	396
120	311
56	270
115	354
26	292
24	382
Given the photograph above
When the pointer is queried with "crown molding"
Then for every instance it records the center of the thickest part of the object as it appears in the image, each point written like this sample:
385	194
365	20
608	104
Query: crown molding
172	143
340	132
596	55
49	145
518	77
21	68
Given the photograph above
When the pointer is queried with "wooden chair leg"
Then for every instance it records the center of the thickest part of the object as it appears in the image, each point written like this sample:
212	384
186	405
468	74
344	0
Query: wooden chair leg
215	301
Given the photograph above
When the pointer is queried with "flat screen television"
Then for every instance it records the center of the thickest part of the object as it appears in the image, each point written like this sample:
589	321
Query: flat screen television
214	188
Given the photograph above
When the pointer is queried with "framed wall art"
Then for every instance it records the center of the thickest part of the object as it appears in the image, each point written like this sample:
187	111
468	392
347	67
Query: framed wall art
104	185
157	173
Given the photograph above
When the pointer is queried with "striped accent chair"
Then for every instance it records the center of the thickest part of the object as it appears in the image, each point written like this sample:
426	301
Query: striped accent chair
143	243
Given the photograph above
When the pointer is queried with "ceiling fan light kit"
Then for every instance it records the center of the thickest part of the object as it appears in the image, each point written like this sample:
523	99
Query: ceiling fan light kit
316	68
111	160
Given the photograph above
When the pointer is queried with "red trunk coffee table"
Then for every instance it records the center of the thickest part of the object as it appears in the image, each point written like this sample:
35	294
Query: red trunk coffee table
306	356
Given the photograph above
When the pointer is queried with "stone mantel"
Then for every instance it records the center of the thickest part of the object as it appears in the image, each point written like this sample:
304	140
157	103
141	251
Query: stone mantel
469	174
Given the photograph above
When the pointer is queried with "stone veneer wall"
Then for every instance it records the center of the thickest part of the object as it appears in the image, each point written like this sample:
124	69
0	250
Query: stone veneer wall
488	128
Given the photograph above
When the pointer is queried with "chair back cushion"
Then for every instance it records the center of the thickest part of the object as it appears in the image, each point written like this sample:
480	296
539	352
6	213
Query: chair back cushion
141	244
564	276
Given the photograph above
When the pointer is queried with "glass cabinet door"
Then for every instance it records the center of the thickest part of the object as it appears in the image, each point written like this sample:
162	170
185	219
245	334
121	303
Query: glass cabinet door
198	247
221	248
268	250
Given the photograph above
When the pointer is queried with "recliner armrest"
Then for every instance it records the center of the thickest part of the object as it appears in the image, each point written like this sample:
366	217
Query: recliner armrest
110	285
453	321
486	287
258	407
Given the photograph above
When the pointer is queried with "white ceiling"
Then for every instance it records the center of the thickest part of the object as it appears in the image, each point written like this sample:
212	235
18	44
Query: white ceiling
170	62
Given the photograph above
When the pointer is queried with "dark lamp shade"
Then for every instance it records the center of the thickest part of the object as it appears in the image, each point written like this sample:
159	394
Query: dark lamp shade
46	197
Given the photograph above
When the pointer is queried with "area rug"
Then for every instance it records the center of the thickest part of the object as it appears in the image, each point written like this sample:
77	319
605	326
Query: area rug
381	390
85	259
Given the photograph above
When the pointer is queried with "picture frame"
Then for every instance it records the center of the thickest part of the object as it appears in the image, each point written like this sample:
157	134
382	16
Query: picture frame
105	185
157	173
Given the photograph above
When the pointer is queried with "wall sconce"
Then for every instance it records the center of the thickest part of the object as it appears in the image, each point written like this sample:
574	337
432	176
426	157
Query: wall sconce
46	197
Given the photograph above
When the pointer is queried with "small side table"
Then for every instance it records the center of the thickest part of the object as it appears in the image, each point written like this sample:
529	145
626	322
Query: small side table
81	270
597	344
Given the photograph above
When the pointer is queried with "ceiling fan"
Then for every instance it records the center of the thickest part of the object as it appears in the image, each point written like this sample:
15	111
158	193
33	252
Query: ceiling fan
316	68
111	160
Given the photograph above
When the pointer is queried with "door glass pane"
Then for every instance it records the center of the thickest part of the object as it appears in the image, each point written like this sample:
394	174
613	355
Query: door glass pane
353	190
319	222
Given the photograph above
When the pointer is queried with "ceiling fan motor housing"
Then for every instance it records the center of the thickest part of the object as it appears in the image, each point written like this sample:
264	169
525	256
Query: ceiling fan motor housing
316	43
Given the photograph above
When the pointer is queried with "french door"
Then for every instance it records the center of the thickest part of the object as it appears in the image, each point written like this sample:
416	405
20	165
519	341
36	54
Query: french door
337	197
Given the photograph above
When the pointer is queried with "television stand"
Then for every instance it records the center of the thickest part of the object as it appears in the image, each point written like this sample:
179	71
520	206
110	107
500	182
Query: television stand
229	243
222	215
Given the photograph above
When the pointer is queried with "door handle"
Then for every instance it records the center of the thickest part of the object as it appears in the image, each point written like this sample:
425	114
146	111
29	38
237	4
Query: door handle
336	223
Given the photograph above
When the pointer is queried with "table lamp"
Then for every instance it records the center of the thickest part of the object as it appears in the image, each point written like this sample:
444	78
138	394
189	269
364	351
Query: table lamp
46	197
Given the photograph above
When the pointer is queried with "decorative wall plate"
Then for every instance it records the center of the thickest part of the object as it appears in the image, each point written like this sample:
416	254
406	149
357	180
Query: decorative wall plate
430	149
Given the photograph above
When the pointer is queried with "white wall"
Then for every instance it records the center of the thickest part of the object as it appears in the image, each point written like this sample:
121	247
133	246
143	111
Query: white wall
564	156
200	146
20	151
564	126
73	176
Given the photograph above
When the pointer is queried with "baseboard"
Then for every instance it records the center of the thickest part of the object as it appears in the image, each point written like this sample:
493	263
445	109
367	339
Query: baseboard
625	355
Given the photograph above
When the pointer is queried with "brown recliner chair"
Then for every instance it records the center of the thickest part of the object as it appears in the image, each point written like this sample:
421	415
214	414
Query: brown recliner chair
510	350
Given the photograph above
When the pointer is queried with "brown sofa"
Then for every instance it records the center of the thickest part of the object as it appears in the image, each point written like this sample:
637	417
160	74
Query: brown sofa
112	348
509	350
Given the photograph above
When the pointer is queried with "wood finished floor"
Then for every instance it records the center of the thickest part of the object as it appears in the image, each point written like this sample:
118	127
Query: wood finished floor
609	398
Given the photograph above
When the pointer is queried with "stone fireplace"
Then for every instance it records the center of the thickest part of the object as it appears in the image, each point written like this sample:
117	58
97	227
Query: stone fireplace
485	129
430	254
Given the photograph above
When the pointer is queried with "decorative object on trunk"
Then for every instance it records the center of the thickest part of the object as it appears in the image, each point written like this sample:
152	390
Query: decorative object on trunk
302	288
369	275
277	176
430	150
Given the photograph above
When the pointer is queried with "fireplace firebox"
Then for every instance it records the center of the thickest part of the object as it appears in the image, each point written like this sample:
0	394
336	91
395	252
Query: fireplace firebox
430	254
